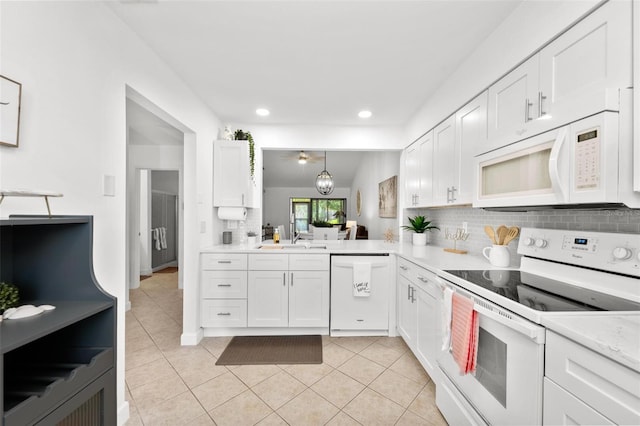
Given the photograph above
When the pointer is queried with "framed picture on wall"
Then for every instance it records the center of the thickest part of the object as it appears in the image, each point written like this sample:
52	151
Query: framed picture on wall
10	95
388	197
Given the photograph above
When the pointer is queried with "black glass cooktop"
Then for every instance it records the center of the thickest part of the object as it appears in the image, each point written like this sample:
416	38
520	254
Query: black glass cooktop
544	294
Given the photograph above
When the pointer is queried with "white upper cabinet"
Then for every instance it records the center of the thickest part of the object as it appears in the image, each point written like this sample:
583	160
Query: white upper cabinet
445	166
578	74
471	132
583	69
512	106
232	183
419	167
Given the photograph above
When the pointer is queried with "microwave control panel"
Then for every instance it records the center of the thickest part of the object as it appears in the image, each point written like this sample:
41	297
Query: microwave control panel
587	157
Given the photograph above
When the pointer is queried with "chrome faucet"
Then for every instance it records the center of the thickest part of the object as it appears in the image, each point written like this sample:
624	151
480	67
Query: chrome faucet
292	228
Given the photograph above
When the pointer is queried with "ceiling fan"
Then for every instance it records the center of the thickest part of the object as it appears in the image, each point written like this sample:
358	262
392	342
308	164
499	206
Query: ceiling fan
303	157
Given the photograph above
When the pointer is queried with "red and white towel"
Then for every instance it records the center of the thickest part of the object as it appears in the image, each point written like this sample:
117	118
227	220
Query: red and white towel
464	333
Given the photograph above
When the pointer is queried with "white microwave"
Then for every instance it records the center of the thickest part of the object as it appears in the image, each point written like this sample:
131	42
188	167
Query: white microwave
573	164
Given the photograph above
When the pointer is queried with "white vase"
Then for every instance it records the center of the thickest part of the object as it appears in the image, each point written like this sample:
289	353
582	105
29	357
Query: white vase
419	239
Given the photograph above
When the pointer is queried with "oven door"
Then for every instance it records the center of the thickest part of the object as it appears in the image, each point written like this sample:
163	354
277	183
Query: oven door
507	385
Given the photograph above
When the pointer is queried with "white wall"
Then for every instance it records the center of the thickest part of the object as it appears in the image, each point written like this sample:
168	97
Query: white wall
75	61
374	168
531	25
276	204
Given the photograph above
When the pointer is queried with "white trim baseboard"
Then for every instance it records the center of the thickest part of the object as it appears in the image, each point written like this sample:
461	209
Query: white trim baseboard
123	413
191	339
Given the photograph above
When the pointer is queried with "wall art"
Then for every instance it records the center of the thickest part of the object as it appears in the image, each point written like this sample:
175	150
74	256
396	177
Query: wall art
10	94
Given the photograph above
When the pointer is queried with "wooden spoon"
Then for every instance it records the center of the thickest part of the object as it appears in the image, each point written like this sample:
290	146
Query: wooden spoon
513	232
501	232
489	231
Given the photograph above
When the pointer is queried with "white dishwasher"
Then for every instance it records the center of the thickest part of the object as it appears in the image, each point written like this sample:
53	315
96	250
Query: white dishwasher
360	315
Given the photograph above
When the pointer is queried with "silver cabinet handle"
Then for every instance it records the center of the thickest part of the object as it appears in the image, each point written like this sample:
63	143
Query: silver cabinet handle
423	279
527	106
413	292
224	261
224	314
541	98
243	199
408	292
404	268
292	279
284	279
224	285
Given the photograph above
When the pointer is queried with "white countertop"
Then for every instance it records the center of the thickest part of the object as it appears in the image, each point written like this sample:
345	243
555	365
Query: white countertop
612	334
615	335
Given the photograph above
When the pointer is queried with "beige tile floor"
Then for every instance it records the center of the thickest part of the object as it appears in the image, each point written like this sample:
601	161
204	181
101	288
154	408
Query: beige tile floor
362	381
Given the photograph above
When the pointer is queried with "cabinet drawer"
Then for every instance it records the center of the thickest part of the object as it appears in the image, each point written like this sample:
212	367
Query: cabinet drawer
610	388
224	313
562	408
407	269
268	262
309	262
224	284
223	261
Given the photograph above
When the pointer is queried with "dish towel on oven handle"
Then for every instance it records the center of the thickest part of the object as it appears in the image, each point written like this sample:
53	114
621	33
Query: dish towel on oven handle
464	333
361	279
446	318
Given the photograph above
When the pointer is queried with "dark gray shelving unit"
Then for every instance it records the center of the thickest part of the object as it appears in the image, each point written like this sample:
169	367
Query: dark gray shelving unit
57	367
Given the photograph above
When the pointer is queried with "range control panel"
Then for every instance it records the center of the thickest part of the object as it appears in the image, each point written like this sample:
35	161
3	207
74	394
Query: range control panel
613	252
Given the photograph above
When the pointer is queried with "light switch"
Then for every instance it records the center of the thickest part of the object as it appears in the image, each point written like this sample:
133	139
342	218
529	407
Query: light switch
109	185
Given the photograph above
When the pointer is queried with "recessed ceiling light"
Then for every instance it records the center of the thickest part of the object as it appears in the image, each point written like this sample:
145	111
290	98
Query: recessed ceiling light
262	112
364	114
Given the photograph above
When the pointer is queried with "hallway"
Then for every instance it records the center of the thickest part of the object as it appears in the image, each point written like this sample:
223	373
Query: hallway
363	380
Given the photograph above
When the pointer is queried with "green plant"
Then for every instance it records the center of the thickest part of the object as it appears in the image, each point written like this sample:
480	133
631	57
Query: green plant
241	135
322	224
8	296
419	225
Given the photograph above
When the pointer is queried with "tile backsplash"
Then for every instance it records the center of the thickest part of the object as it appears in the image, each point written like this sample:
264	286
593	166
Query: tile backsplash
618	220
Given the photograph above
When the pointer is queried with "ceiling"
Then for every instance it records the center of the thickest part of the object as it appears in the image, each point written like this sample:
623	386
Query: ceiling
314	61
281	168
146	128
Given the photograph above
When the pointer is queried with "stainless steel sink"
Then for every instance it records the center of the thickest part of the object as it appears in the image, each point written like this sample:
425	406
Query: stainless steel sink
299	246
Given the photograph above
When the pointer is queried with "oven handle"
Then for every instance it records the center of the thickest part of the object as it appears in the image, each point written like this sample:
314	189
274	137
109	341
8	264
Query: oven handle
554	165
533	332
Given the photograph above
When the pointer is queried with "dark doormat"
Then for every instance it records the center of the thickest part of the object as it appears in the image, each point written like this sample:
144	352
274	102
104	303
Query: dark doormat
254	350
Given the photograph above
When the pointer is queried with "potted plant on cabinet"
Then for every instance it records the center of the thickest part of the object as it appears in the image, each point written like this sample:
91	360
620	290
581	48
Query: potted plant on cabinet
419	226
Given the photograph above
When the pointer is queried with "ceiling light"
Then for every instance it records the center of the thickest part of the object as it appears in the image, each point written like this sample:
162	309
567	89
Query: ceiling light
302	158
324	181
262	112
364	114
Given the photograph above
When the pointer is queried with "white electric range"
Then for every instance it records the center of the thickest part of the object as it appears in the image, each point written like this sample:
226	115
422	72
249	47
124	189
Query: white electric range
562	273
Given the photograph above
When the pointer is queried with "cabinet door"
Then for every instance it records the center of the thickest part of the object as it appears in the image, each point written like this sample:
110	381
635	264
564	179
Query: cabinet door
407	312
425	170
428	330
445	164
471	138
267	299
512	102
309	299
411	180
582	70
231	174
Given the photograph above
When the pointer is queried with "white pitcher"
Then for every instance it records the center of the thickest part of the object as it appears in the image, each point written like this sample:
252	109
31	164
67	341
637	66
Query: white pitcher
498	255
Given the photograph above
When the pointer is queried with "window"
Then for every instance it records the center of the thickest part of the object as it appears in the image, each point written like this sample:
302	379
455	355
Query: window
309	210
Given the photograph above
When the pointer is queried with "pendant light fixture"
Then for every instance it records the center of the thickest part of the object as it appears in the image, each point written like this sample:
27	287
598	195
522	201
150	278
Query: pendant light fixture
324	181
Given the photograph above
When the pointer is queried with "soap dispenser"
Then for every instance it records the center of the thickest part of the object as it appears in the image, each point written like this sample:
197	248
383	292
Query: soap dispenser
276	236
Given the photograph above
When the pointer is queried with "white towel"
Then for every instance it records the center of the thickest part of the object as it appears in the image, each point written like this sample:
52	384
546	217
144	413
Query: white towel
446	318
361	279
163	237
156	238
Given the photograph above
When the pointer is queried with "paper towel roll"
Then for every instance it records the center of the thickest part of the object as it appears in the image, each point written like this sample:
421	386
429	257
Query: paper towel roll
232	213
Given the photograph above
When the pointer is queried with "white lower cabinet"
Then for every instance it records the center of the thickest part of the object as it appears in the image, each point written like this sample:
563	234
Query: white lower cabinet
223	290
407	311
291	297
419	297
582	386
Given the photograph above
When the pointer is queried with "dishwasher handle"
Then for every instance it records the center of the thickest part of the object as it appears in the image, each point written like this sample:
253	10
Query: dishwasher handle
350	265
